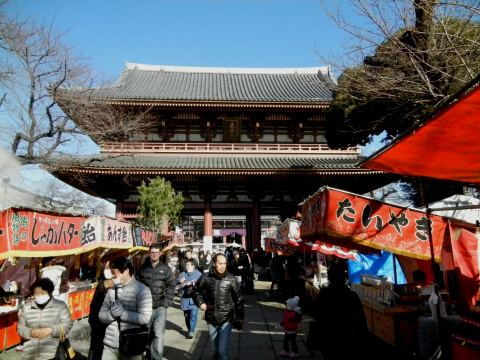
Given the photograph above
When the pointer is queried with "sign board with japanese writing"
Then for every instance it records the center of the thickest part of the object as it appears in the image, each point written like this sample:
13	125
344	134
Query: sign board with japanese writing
176	240
331	215
272	246
144	237
75	304
100	231
288	232
26	233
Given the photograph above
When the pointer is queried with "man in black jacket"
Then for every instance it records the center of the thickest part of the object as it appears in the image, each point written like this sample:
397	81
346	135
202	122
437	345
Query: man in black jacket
159	278
219	296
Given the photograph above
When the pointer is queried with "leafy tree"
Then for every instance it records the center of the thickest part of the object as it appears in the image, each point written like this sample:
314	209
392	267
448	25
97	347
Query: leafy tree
404	57
39	118
160	205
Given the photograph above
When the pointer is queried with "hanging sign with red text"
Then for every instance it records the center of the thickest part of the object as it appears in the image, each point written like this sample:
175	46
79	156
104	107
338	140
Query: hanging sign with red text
332	215
288	232
26	233
272	246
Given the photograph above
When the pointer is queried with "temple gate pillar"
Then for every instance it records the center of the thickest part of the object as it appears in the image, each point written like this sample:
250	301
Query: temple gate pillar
208	218
248	229
256	224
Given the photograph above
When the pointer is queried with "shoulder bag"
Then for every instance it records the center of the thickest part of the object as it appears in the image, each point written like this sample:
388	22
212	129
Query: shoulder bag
188	292
133	341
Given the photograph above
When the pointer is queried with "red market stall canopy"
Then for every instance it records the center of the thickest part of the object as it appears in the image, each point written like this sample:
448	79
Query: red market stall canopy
442	146
288	239
174	240
27	233
340	218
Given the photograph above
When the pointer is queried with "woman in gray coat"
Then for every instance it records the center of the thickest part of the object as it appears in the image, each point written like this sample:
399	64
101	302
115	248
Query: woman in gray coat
42	323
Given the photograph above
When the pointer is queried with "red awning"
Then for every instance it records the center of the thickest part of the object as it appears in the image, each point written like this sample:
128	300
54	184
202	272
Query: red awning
340	218
444	146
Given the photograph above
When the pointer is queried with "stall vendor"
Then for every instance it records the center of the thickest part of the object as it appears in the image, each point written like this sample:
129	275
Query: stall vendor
56	273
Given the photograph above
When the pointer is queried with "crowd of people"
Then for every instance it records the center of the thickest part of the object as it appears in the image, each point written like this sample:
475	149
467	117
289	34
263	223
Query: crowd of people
213	283
125	300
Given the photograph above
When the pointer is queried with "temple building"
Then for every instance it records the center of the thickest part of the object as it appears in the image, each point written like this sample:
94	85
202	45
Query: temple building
234	141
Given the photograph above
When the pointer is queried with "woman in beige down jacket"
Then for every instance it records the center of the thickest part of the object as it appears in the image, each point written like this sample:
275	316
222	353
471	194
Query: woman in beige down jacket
41	323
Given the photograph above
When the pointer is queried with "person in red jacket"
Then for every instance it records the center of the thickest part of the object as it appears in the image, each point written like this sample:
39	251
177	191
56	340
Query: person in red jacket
292	316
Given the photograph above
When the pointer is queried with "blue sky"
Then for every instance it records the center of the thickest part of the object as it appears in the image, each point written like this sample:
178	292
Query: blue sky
217	33
214	33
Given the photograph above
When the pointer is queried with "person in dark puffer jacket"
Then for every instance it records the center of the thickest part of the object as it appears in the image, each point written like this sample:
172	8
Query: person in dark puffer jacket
159	278
218	295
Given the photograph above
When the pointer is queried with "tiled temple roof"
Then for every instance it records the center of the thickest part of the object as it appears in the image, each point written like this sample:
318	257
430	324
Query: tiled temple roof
155	82
217	163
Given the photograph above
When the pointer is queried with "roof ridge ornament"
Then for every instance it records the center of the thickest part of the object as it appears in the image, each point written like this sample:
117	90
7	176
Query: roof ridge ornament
227	70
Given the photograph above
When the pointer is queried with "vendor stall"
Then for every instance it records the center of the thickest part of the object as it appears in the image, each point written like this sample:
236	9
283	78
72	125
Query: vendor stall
357	222
437	147
26	236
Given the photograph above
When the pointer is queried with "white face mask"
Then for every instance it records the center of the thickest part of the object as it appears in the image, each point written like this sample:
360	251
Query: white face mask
42	299
107	273
117	281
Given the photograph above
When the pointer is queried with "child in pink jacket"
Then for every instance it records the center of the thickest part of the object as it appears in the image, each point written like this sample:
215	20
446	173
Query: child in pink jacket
292	316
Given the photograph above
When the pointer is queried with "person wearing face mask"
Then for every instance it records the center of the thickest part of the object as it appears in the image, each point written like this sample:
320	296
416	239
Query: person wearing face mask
44	320
98	328
133	306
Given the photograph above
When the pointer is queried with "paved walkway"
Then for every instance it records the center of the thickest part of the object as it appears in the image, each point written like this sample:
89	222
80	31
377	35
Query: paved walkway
258	340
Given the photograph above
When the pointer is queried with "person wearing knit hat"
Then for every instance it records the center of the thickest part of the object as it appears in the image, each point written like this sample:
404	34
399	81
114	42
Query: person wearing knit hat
292	316
292	303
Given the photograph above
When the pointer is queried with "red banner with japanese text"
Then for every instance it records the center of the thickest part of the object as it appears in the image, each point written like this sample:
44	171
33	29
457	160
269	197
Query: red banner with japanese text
288	232
26	233
282	249
87	301
345	219
75	304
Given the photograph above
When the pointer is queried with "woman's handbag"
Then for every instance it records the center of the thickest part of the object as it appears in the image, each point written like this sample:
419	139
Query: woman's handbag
133	341
65	349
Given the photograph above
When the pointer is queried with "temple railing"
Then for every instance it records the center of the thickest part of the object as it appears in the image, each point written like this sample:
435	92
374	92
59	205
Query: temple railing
221	148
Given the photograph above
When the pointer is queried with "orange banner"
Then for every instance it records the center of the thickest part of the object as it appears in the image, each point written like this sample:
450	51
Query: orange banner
341	218
75	304
88	299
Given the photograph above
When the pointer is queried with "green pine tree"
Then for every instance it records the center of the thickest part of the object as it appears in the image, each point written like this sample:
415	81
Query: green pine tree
160	205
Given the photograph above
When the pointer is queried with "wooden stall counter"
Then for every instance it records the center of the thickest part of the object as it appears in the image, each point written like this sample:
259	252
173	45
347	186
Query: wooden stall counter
396	325
8	330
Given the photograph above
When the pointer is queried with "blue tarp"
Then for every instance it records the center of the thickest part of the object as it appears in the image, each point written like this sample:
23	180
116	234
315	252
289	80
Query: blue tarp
380	265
